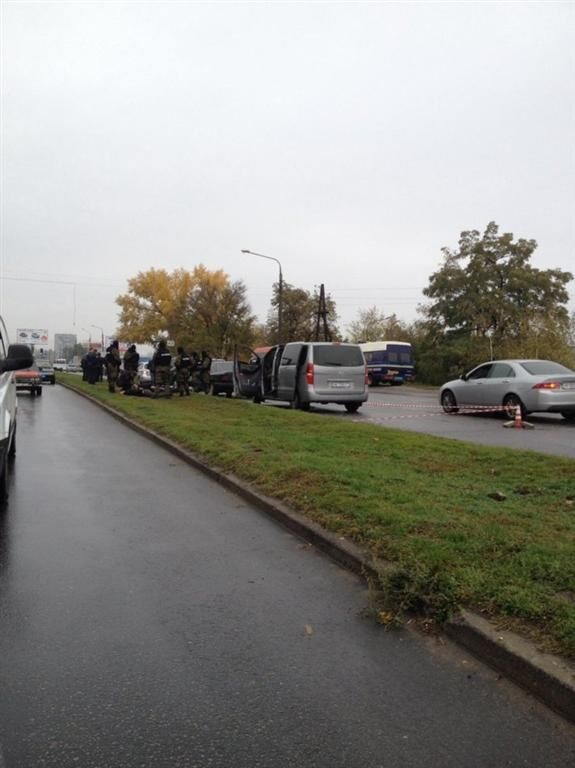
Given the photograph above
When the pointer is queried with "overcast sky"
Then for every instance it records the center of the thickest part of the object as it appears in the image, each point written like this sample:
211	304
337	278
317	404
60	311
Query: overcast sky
349	140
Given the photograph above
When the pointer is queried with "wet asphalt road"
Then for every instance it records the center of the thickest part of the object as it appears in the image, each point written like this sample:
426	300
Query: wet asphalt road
150	619
417	409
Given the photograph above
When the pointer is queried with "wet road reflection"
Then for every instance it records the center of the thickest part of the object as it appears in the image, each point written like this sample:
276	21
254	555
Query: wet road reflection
150	619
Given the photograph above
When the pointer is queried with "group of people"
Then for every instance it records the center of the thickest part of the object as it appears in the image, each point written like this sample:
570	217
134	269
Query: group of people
192	370
92	367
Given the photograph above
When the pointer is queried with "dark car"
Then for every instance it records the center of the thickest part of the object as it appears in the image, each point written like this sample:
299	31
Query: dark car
46	370
222	378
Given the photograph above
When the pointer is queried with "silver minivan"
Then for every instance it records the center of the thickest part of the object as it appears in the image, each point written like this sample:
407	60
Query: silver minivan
305	372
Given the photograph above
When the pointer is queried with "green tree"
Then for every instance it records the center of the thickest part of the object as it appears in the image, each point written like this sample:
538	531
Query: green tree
299	314
571	332
373	325
488	300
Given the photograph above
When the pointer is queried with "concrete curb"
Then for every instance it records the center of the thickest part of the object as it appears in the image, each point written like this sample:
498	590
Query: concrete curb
549	678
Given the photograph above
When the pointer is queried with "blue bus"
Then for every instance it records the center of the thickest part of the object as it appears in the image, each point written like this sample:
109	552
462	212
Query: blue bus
388	361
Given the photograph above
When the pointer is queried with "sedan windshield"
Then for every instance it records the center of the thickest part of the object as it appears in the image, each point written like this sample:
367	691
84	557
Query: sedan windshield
545	368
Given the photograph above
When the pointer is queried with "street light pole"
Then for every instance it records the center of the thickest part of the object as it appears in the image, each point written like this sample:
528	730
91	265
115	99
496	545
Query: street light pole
102	336
280	289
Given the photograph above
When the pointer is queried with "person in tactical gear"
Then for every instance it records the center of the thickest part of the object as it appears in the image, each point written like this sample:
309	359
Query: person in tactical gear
131	361
183	369
162	360
195	371
205	366
113	362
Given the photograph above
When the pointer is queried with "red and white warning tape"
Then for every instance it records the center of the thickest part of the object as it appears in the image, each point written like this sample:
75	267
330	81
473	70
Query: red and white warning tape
514	412
458	409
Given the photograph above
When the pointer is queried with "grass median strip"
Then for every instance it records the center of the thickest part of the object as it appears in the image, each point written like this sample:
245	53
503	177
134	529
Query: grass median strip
490	529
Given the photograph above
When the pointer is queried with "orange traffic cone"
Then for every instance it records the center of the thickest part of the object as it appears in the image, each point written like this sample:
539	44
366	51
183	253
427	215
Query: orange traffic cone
518	422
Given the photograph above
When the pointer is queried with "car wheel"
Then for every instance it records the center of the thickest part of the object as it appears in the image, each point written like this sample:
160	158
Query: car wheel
352	407
257	399
448	402
569	415
510	403
299	405
229	394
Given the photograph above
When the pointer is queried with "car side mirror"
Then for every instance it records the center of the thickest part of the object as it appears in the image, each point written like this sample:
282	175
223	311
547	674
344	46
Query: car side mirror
463	377
19	356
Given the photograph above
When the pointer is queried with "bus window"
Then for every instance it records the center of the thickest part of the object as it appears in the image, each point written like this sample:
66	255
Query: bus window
388	362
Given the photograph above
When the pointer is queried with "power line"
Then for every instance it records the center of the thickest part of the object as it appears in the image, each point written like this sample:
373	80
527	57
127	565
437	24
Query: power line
38	280
61	282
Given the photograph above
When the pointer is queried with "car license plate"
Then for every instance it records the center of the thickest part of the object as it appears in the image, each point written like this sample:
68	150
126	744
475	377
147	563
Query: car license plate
568	385
340	384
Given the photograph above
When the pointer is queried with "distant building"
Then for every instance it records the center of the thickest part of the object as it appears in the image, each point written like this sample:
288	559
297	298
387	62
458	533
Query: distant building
63	342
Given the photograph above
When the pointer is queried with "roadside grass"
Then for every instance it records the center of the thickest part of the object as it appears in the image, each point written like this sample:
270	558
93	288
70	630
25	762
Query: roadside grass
422	503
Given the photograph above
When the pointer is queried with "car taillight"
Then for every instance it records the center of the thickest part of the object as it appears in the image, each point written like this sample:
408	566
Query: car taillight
548	385
309	373
366	376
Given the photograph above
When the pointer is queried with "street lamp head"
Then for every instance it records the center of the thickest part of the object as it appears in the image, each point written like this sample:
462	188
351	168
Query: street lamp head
280	286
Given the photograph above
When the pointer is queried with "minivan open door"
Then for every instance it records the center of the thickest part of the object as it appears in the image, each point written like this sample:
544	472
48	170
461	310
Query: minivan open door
247	373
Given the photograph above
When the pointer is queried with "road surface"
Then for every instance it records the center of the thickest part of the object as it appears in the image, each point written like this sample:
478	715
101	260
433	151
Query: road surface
150	619
417	409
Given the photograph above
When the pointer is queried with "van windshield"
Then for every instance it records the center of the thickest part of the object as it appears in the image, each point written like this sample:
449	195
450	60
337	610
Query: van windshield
335	355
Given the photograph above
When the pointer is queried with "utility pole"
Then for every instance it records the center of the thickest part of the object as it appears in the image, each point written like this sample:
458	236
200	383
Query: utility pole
321	317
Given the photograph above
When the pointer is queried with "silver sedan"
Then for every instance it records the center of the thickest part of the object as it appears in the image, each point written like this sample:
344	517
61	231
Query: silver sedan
534	385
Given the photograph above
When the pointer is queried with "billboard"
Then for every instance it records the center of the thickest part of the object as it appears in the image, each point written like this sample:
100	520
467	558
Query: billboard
32	336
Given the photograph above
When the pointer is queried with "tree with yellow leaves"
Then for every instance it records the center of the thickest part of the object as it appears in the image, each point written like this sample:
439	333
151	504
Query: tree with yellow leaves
201	309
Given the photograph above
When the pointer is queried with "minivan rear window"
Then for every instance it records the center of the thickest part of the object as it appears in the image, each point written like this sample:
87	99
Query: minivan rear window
335	355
